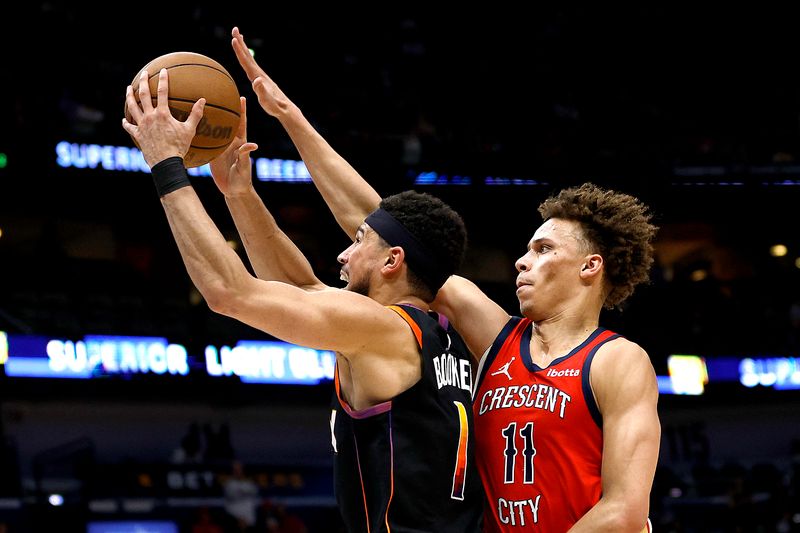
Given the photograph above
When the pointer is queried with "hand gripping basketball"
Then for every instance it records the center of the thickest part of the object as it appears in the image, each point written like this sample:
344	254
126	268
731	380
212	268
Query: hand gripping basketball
191	77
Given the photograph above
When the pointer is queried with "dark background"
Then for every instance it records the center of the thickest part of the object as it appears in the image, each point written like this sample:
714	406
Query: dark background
694	109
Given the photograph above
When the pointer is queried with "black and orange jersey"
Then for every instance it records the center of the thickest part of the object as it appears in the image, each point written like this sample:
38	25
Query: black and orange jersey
408	464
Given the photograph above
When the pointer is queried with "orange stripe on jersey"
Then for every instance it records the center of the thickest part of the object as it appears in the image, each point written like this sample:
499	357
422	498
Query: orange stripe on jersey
363	490
460	473
402	312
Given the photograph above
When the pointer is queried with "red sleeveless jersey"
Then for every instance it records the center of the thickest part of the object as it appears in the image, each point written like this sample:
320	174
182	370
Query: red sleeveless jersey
539	440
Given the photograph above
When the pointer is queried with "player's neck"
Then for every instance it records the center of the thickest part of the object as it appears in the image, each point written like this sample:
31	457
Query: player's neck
558	335
397	294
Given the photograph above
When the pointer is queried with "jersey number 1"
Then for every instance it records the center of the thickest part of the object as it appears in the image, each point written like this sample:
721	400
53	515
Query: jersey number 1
460	472
528	451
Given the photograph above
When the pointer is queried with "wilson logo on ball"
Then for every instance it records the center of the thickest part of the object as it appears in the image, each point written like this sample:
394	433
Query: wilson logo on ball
204	127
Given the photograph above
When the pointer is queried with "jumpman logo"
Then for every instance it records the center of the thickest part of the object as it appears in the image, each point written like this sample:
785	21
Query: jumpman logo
504	369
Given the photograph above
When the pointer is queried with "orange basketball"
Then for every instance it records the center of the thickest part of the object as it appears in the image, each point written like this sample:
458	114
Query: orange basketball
191	77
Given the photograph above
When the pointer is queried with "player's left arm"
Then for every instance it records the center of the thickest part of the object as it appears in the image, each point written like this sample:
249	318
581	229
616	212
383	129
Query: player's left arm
273	255
624	384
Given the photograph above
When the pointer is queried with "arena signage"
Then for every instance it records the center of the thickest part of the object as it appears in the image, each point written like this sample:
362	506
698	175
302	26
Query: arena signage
128	159
94	356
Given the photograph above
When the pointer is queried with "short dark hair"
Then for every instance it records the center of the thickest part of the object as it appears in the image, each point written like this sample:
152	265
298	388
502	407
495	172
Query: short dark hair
618	225
436	225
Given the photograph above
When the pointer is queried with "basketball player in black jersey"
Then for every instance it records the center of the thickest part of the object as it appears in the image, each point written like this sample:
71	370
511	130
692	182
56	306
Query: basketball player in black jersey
592	251
402	423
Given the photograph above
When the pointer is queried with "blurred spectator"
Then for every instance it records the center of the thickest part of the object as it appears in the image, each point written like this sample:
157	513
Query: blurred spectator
241	497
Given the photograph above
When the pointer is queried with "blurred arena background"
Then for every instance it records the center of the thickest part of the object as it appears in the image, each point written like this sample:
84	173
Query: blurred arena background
124	402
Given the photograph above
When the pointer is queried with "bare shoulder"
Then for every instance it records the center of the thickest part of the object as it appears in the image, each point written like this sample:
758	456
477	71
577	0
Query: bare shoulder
380	330
329	319
619	352
387	361
357	307
621	371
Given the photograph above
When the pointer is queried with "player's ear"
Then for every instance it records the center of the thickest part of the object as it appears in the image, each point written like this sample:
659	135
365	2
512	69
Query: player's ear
395	258
592	266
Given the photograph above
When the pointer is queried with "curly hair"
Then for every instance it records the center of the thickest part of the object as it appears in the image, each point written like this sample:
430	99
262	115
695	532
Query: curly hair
617	225
436	225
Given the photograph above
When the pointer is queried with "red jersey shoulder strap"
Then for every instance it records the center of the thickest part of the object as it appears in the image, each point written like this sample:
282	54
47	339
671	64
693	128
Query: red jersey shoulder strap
504	341
590	349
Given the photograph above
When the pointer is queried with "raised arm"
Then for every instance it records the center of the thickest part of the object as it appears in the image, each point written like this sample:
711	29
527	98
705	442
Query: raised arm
330	319
351	199
273	255
624	385
347	194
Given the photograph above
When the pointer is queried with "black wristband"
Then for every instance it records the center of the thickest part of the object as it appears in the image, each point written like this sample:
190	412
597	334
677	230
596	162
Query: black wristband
170	175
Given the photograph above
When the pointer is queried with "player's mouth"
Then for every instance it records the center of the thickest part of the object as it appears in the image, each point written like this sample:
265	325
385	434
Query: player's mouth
521	284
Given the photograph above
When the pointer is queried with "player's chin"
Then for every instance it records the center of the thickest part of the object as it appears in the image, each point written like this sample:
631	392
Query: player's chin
358	287
525	307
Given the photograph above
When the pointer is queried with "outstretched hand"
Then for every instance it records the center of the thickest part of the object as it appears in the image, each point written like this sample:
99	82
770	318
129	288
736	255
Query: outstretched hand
159	134
270	96
232	170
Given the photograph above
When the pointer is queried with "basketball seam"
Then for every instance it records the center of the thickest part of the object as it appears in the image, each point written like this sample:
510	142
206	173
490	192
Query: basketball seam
220	70
208	147
188	101
193	65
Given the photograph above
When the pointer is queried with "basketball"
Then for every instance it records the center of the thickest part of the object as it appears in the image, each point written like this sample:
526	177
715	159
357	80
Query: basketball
191	77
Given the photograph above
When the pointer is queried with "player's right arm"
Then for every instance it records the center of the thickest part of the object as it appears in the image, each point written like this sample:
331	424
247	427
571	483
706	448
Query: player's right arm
331	319
373	338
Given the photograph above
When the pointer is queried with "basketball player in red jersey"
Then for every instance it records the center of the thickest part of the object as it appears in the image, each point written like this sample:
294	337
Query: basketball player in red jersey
401	423
564	410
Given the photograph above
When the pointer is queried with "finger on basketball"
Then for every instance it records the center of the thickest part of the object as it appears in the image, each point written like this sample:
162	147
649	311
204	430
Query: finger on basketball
144	91
242	132
163	88
246	148
197	113
127	126
132	105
